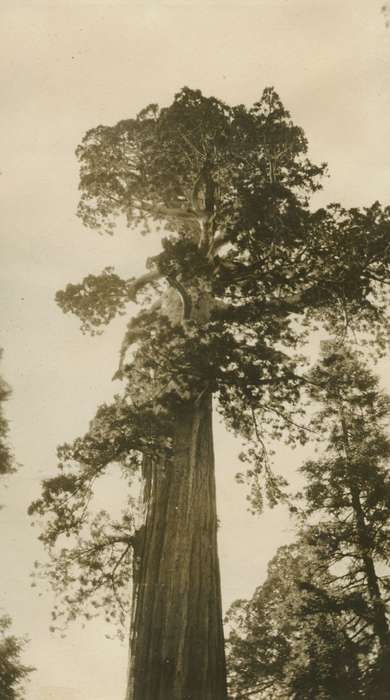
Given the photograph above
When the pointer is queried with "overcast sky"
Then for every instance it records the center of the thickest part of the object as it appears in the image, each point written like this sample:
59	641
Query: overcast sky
68	65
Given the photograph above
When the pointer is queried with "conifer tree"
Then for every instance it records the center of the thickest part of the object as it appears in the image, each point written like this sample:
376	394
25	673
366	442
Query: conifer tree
245	268
332	587
350	488
13	672
282	645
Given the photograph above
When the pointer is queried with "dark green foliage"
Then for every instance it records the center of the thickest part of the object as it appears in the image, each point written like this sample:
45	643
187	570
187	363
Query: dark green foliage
353	420
154	160
12	672
327	596
245	272
97	299
350	488
282	646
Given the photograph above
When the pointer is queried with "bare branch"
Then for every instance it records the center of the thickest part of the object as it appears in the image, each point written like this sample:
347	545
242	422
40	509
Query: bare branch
185	297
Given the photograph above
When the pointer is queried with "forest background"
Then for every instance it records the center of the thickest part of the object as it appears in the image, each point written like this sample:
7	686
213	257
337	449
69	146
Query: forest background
68	66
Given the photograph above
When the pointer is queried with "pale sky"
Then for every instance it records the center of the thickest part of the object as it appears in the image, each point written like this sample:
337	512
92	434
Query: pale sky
68	65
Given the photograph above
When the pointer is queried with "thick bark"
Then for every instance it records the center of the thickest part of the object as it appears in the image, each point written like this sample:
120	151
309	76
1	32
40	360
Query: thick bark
176	645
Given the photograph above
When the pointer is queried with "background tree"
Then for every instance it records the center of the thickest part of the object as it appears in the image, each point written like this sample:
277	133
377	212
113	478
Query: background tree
245	268
350	488
282	645
12	672
5	452
332	587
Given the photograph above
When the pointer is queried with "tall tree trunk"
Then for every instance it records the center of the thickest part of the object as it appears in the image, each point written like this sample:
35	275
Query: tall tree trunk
176	644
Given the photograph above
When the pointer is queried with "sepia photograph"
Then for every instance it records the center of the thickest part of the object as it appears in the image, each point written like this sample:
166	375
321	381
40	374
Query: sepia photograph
194	350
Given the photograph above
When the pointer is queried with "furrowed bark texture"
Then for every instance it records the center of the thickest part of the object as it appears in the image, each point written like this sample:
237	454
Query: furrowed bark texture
177	645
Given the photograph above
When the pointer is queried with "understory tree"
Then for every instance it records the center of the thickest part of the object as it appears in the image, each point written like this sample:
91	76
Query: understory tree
245	269
319	626
350	488
281	645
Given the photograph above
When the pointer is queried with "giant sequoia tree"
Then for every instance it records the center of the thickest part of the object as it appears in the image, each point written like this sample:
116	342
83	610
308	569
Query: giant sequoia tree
244	268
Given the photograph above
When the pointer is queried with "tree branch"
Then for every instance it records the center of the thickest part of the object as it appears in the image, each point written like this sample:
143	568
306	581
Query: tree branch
167	212
226	311
140	282
185	297
258	688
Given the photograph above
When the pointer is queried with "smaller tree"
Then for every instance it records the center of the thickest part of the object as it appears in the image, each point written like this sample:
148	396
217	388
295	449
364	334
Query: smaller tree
281	645
12	672
348	489
319	626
